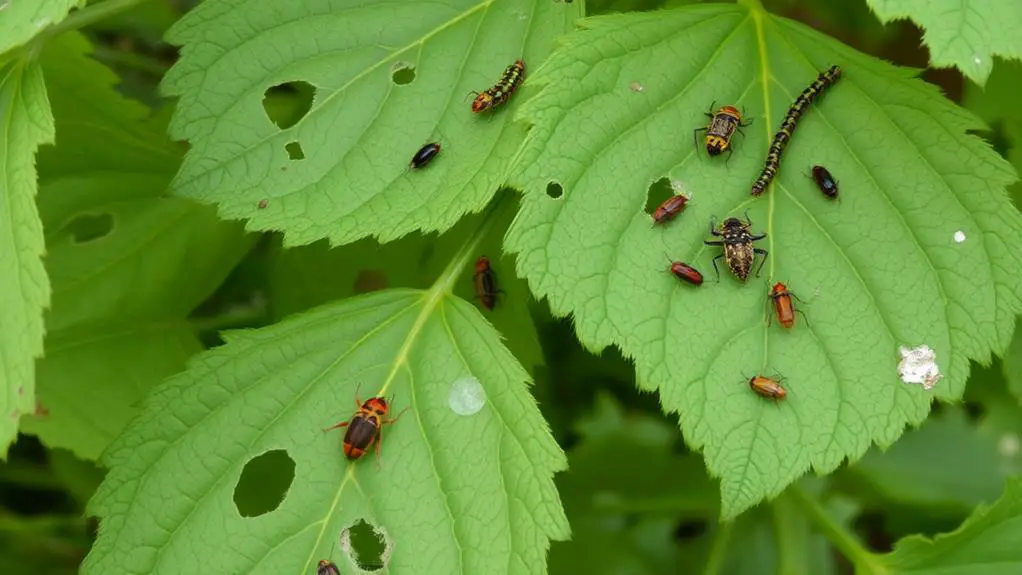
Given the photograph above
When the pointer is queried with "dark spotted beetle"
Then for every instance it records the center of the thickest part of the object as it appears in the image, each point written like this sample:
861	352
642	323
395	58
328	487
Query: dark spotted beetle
365	427
723	125
327	568
739	252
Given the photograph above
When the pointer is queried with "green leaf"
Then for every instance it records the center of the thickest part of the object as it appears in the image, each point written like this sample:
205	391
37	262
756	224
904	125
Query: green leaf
20	21
115	250
454	493
915	470
363	128
879	270
25	123
959	34
998	99
986	543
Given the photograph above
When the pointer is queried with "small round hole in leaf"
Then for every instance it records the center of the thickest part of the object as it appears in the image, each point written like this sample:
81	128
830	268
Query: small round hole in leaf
263	483
554	190
403	74
285	104
89	227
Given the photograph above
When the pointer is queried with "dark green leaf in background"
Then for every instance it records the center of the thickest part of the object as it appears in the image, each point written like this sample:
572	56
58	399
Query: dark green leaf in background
116	248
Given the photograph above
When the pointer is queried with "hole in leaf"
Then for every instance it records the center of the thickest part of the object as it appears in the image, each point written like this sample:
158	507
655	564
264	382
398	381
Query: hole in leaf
658	193
365	545
285	104
89	227
690	529
403	74
370	280
294	151
264	483
554	190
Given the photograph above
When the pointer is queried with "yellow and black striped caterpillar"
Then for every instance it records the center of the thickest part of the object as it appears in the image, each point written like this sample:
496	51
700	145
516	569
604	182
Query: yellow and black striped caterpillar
498	94
782	136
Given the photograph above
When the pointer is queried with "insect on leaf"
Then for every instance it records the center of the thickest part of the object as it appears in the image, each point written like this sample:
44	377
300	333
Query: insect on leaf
383	79
464	482
922	249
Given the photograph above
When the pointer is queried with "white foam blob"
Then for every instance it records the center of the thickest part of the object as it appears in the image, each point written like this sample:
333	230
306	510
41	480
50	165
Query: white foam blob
959	236
467	396
919	365
977	60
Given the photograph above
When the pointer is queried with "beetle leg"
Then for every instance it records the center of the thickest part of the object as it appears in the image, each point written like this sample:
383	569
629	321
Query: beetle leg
695	141
748	222
730	150
713	226
342	424
757	238
763	253
389	421
804	318
358	401
715	266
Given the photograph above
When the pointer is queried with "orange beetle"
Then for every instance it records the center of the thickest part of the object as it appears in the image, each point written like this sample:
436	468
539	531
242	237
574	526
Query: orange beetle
365	427
784	308
768	387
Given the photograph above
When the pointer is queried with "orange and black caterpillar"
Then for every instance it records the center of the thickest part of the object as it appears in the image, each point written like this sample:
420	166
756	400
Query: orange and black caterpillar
782	136
497	95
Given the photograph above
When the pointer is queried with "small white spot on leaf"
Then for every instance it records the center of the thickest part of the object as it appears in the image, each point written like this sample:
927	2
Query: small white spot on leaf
637	87
977	60
467	396
1008	445
4	4
959	236
919	365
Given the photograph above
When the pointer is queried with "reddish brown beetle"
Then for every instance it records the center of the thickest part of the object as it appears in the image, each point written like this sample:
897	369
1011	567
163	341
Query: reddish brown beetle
669	209
784	307
685	272
486	283
768	387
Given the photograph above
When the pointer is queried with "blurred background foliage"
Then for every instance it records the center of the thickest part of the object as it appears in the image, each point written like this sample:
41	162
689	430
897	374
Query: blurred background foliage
638	501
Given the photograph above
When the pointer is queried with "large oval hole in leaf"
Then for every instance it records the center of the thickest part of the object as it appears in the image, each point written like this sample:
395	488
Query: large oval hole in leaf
367	546
404	74
285	104
264	483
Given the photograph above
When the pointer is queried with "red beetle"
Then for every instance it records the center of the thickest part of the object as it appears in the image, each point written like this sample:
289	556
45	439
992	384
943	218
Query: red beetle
670	209
686	273
486	283
783	306
768	387
365	427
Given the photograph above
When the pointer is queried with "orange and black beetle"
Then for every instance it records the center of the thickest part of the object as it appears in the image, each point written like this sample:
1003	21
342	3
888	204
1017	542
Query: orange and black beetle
365	427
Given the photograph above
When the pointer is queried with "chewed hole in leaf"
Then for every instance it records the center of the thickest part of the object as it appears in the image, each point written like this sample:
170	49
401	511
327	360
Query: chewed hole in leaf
554	190
285	104
657	194
264	482
403	74
369	280
365	545
294	151
690	529
89	227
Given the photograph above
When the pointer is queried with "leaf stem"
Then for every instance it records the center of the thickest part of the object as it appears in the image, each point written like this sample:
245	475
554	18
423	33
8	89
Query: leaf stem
782	512
845	541
719	548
